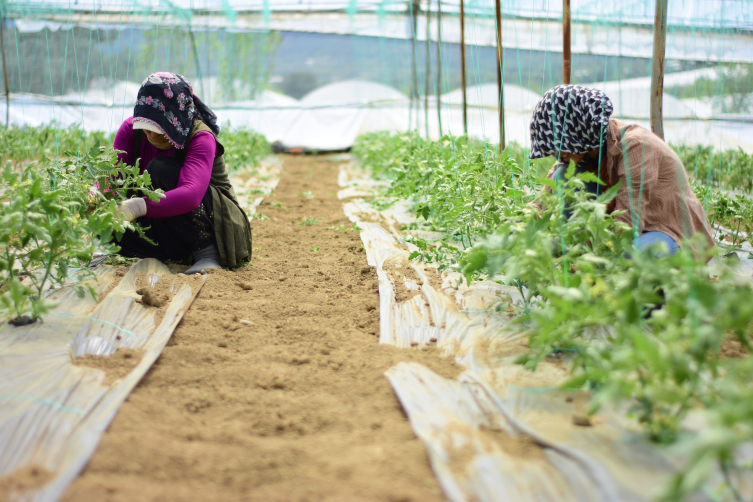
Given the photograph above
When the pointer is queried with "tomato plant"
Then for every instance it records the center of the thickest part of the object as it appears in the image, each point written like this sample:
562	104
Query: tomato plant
53	218
642	327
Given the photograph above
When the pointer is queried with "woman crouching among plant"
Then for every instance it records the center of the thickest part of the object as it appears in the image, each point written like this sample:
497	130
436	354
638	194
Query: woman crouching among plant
572	123
199	217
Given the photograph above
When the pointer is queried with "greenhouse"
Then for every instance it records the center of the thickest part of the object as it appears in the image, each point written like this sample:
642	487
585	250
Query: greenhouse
376	250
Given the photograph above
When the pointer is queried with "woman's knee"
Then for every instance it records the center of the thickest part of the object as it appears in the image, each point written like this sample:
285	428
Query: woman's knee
656	238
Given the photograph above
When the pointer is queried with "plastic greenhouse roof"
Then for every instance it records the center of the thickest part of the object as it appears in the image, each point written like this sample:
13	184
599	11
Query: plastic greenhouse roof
352	92
516	97
727	14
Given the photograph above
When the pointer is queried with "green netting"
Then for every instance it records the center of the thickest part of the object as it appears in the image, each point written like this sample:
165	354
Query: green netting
307	75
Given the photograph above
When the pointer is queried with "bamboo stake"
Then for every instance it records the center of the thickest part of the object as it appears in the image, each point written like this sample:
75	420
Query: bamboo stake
439	65
566	56
462	66
414	68
500	83
5	74
657	67
428	69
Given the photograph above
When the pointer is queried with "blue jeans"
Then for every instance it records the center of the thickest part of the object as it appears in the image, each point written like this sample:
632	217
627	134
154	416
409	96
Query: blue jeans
650	238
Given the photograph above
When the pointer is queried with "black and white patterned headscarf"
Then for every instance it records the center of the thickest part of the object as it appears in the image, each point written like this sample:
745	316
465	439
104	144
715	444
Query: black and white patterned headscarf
167	101
569	118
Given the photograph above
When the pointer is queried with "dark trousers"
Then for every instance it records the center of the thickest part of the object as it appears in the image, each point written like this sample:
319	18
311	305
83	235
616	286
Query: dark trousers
179	236
591	186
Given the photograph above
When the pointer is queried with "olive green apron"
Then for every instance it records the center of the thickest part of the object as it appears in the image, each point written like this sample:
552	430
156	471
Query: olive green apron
232	229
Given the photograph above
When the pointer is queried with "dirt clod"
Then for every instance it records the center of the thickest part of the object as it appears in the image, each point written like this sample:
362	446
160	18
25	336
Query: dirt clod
152	298
581	420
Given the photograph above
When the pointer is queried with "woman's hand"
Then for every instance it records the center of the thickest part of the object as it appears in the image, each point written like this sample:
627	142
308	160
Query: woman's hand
131	208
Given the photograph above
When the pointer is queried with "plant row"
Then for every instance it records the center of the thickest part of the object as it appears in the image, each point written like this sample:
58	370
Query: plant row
639	327
243	147
59	189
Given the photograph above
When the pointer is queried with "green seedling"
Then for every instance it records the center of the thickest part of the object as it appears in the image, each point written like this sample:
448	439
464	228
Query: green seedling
309	222
314	248
308	195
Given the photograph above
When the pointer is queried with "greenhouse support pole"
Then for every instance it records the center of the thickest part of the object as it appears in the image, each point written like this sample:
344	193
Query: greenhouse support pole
414	64
439	65
566	55
462	66
5	74
657	67
500	83
428	69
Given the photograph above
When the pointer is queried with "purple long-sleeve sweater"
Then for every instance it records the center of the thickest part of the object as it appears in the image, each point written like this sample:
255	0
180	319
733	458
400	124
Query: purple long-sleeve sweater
193	180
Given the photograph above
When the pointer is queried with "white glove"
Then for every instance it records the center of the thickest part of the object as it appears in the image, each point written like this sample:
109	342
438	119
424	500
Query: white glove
131	208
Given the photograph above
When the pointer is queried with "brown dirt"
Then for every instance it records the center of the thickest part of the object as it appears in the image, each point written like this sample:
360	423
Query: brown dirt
272	388
22	480
521	446
160	295
120	271
115	366
732	348
399	269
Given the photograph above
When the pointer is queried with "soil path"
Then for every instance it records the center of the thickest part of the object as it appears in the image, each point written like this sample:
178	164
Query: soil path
272	387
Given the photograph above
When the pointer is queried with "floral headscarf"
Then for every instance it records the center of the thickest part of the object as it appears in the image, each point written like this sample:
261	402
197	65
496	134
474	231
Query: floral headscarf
569	118
166	100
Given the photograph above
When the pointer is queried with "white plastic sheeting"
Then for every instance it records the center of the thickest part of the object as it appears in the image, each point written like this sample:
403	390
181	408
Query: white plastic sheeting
709	31
352	92
487	95
54	412
333	116
499	432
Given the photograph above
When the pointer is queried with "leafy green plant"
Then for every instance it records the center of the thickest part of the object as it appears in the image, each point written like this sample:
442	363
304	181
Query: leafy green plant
732	212
729	170
243	148
642	327
28	143
308	195
309	222
53	219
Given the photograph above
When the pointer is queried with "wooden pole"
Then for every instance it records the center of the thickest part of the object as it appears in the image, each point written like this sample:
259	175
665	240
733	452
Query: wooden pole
439	65
462	66
566	56
500	83
657	67
5	74
428	69
414	64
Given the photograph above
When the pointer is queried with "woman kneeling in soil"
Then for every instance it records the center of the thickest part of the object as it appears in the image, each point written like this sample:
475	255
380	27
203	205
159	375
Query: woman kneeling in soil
573	123
199	217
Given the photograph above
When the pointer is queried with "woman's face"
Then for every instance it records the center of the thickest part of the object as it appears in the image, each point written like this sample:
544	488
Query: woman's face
154	135
566	157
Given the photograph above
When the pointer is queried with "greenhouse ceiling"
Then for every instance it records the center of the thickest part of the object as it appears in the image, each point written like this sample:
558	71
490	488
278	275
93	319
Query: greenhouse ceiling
698	30
720	14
